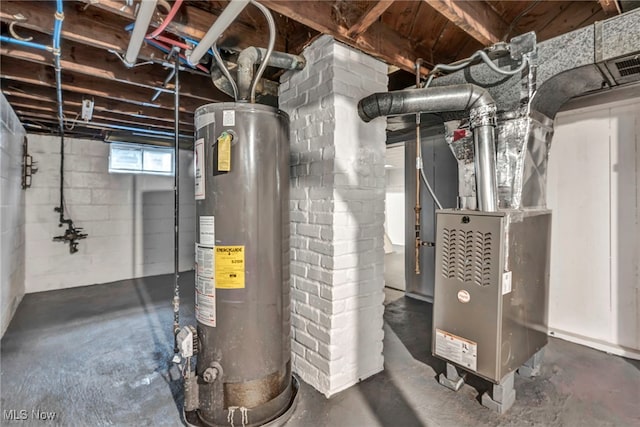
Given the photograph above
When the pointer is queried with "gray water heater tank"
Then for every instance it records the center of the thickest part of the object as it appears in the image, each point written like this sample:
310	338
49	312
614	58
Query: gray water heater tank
241	157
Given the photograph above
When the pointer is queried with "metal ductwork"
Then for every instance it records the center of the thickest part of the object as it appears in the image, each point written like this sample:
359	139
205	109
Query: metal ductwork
491	269
465	97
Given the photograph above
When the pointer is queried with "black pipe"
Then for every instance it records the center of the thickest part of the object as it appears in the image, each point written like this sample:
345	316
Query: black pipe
176	203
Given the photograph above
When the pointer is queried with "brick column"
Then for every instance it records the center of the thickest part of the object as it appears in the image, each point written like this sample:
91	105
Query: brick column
337	216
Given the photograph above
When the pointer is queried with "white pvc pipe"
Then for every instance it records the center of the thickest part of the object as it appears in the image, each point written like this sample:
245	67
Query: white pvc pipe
225	19
145	13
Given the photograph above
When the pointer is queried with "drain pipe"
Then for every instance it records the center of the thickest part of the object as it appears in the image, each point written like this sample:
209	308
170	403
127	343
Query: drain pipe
464	97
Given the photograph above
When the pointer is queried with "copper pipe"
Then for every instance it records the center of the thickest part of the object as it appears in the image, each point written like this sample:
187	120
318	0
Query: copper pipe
418	208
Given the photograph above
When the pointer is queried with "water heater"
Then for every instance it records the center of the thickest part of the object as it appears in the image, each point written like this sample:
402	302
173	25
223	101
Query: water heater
242	341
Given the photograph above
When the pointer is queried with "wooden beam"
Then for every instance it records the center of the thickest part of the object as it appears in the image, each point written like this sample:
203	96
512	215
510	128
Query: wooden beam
92	62
369	17
73	109
93	124
37	74
72	114
610	7
378	41
17	90
474	17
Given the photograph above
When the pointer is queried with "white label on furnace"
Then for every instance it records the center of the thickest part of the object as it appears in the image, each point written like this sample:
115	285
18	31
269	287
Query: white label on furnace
206	301
506	282
228	118
199	163
205	261
207	230
456	349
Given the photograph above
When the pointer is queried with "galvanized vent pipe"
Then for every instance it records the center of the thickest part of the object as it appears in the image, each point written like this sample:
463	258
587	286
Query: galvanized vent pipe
464	97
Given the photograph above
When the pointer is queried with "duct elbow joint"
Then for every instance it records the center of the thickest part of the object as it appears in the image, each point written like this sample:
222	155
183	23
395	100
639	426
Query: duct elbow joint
483	115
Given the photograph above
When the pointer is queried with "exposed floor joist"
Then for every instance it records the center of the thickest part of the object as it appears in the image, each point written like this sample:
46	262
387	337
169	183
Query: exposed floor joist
85	60
369	17
42	75
610	7
379	40
194	24
476	19
22	91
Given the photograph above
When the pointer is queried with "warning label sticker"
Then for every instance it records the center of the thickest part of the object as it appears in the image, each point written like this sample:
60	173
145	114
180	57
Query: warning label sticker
204	261
229	267
228	118
205	303
457	349
207	230
198	154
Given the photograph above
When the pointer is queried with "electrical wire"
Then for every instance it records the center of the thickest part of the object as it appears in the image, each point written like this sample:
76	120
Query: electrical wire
515	20
466	62
272	41
426	182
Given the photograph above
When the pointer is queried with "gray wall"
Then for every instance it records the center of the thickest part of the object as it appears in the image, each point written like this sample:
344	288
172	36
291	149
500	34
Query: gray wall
11	214
442	172
128	217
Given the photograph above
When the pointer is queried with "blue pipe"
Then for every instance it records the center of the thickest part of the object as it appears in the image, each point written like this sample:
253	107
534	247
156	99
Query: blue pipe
195	43
5	39
57	27
157	46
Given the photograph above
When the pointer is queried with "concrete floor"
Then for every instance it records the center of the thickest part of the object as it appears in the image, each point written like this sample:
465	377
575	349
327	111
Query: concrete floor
99	356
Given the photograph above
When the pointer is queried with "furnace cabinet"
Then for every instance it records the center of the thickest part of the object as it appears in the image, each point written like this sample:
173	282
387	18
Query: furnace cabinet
491	286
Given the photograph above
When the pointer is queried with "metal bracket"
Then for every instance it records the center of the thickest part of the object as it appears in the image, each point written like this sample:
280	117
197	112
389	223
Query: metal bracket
28	165
522	45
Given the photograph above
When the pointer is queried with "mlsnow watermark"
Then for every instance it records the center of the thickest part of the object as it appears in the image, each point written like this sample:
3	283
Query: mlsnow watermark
24	415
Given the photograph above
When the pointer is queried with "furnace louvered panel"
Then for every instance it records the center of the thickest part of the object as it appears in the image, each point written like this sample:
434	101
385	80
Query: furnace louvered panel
466	256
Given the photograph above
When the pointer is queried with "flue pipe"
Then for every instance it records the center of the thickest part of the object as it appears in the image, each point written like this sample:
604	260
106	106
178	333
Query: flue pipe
143	19
250	56
228	15
464	97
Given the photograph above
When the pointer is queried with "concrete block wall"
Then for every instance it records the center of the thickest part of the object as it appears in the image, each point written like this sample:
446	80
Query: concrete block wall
128	217
337	216
12	257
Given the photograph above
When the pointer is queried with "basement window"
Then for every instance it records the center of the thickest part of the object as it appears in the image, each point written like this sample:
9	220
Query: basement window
136	158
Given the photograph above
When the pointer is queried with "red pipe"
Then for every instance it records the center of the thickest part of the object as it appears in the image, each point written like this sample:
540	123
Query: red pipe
167	20
172	42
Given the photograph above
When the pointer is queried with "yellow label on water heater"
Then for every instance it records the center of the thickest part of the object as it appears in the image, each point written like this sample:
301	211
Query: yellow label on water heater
229	267
224	152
